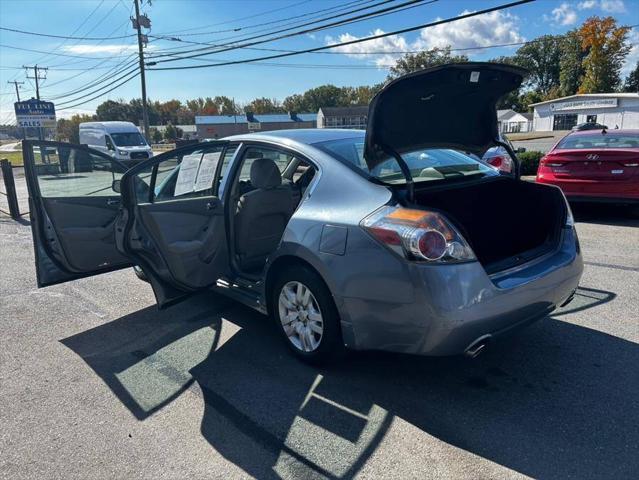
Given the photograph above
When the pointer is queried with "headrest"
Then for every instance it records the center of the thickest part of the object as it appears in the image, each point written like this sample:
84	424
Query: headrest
265	174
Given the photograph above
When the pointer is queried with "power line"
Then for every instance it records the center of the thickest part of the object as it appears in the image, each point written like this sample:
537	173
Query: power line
65	37
101	94
337	8
114	80
260	14
357	18
352	42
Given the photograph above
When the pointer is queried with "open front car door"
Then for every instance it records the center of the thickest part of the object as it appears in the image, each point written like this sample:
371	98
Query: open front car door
172	222
73	208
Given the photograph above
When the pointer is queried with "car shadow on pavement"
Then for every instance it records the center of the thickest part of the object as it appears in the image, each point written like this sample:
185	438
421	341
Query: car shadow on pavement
558	400
604	214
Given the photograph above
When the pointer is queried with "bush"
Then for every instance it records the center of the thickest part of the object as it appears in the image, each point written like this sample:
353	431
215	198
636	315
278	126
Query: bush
529	162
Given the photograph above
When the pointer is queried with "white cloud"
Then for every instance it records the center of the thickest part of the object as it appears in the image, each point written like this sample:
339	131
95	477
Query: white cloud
390	44
563	15
488	29
609	6
613	6
633	56
587	4
88	49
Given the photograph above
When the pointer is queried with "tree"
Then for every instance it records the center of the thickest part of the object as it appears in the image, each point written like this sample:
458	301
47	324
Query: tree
606	48
411	62
264	105
113	110
156	135
571	70
632	80
541	58
170	132
69	129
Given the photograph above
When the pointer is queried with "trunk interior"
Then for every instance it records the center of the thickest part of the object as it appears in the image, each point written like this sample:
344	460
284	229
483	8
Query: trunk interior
507	222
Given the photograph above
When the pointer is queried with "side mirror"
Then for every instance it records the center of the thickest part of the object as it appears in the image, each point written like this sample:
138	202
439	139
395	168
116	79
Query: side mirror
116	186
521	150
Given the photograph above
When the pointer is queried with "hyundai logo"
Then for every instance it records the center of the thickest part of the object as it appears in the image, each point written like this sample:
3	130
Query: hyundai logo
592	156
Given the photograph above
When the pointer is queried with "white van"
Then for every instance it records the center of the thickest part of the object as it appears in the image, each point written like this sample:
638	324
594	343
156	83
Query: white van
121	140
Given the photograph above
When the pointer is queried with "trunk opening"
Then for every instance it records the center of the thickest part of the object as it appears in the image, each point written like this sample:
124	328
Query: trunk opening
507	222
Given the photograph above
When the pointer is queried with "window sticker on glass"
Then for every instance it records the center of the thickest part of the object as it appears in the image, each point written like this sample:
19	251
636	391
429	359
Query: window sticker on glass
206	173
187	174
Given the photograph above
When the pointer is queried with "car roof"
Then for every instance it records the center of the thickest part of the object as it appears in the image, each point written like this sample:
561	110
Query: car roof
597	131
307	136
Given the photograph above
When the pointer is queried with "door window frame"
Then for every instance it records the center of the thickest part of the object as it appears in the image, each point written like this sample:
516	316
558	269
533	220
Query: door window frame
234	172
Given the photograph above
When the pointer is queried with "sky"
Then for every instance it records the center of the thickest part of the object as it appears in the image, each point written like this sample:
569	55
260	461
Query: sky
77	62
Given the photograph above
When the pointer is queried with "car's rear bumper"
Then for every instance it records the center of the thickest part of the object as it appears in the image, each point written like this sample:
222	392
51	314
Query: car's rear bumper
621	191
455	305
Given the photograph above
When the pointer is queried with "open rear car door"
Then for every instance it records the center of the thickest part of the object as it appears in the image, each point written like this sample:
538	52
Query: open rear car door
73	210
172	221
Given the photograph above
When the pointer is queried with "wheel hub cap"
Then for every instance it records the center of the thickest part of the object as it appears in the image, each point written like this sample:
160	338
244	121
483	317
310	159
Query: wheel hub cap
300	316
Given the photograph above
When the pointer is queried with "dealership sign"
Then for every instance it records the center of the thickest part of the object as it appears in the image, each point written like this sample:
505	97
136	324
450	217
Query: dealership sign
584	104
35	113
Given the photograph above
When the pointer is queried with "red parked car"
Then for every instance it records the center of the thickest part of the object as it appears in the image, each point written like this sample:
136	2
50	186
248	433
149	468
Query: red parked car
595	166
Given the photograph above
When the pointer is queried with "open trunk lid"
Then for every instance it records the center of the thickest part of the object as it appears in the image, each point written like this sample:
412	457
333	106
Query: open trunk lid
449	106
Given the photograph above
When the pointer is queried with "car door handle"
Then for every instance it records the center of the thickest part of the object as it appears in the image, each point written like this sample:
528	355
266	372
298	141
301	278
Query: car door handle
111	202
210	206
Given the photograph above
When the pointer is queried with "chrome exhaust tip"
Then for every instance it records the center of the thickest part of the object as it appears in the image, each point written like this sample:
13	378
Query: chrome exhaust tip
477	347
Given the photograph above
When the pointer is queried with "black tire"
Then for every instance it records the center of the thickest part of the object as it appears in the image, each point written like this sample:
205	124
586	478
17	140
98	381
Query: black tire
633	210
140	274
331	346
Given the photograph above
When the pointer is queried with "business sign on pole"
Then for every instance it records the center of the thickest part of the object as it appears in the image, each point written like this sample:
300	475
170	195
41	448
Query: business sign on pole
35	113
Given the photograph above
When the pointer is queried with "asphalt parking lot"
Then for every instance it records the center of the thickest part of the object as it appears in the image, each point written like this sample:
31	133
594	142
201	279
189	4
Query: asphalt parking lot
95	382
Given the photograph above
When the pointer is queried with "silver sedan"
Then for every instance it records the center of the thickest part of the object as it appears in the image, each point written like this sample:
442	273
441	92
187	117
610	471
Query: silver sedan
395	239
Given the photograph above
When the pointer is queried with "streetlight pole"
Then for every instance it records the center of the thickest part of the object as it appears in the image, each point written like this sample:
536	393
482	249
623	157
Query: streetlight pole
145	113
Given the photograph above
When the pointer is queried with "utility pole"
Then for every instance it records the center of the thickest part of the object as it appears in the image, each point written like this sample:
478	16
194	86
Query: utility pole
36	76
137	24
17	88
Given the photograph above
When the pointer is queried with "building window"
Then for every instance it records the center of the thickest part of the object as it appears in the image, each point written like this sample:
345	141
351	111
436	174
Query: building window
591	118
564	121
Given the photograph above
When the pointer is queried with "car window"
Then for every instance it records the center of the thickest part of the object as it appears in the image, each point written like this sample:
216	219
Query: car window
424	164
599	140
129	139
181	175
224	168
281	159
70	171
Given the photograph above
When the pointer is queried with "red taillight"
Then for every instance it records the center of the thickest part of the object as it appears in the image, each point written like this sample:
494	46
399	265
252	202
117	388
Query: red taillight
432	245
418	234
496	161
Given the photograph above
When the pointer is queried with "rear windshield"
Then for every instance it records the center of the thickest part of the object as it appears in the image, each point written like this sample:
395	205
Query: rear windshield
129	139
425	165
599	140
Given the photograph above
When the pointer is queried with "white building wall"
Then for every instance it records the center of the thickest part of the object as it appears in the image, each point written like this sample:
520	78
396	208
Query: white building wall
624	115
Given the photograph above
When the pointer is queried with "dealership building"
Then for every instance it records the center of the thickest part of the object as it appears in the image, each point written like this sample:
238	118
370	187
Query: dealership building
219	126
615	110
